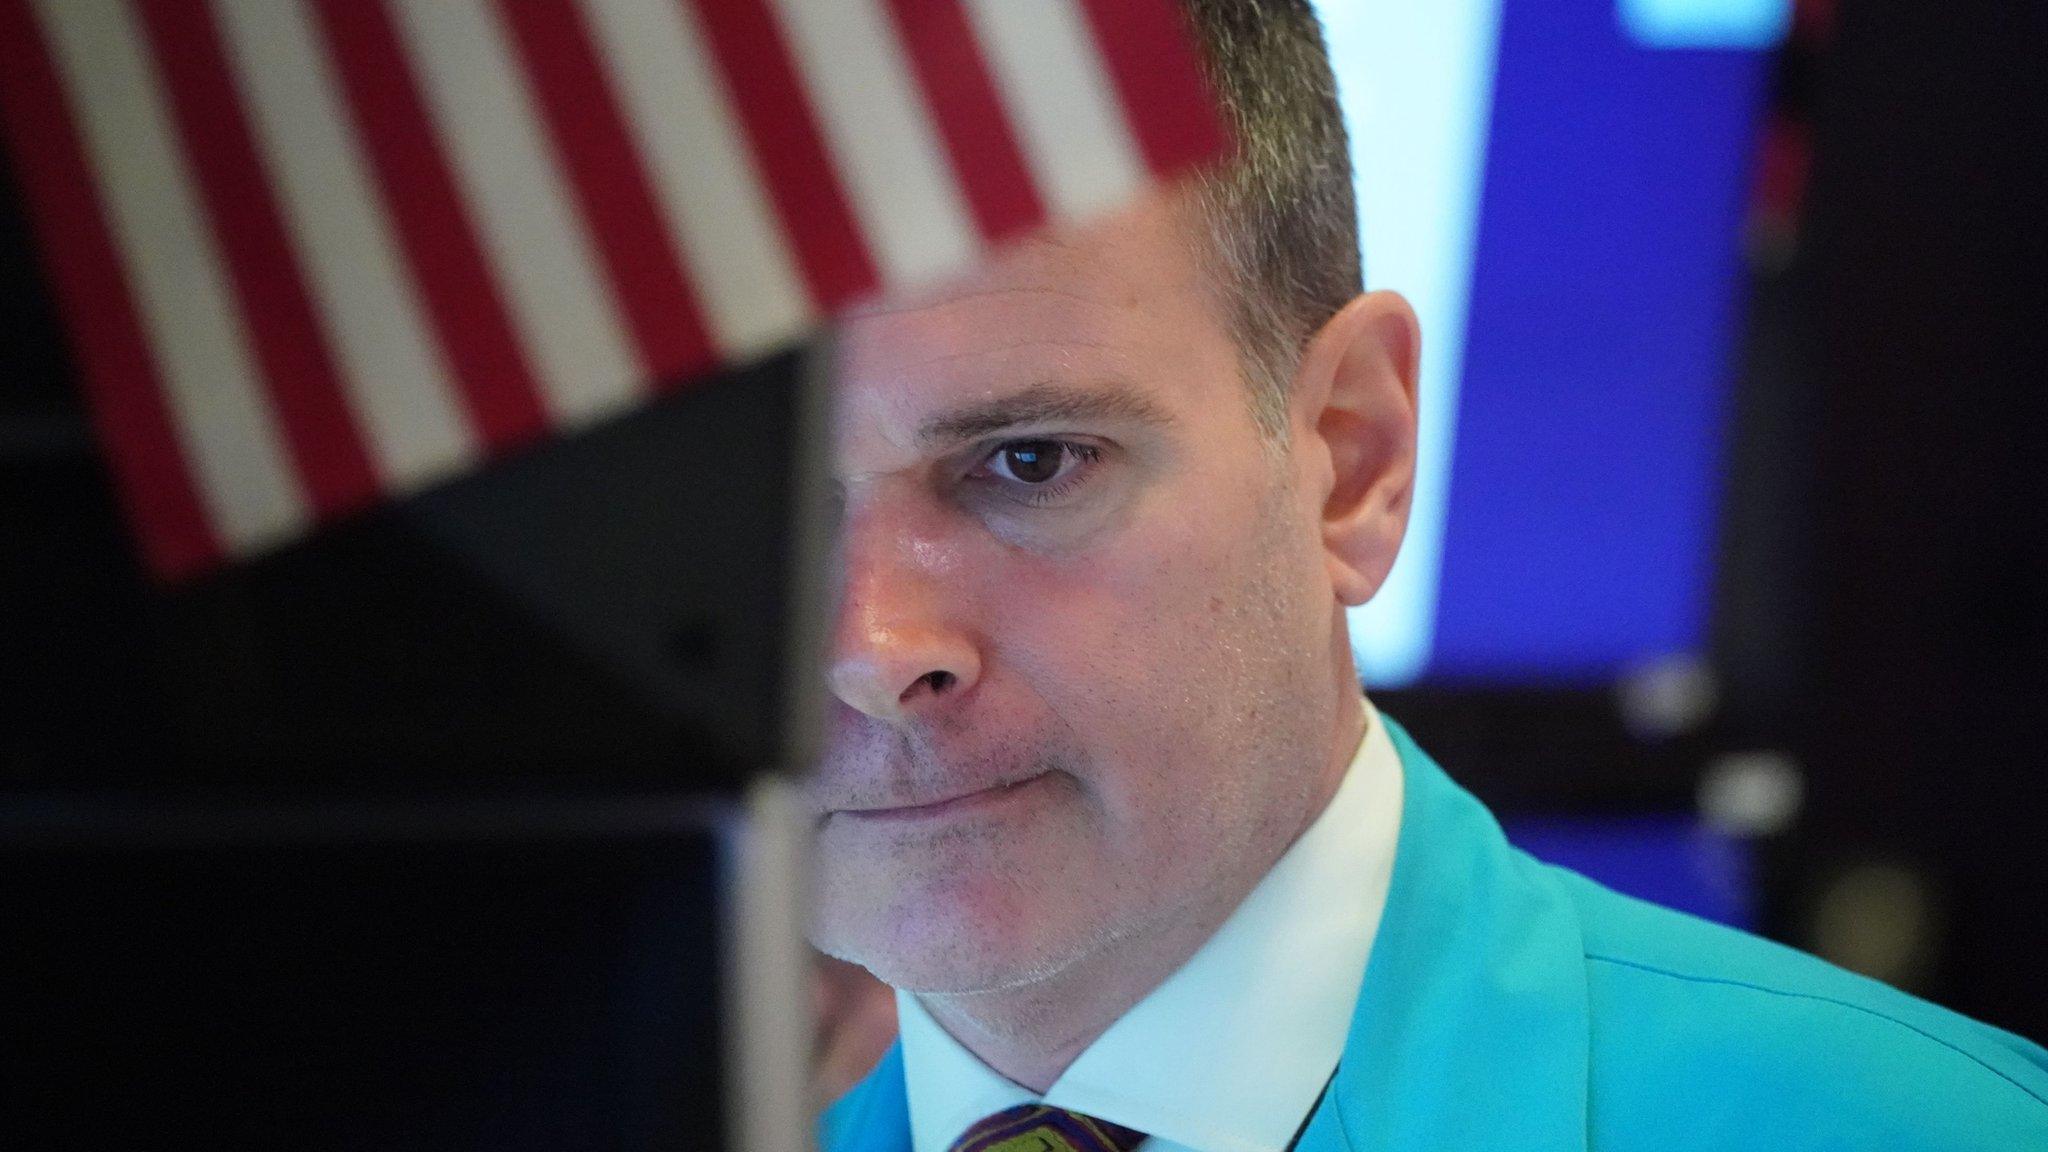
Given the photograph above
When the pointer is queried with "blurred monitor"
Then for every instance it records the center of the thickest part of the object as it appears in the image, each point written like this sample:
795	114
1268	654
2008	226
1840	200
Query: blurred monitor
419	833
459	978
1558	186
610	612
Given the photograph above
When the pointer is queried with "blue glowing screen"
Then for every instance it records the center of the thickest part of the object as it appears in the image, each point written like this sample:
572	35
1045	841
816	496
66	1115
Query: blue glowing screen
1558	186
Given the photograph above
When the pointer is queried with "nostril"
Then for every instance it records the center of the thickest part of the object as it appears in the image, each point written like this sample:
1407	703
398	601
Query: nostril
940	682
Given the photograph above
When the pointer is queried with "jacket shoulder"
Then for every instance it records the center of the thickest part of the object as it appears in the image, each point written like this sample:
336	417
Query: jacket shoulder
1702	1036
874	1115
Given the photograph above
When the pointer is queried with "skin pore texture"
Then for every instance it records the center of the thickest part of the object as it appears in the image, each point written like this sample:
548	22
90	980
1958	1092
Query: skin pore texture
1090	667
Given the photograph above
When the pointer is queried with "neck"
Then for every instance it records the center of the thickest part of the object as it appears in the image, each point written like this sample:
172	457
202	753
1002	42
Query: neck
1032	1033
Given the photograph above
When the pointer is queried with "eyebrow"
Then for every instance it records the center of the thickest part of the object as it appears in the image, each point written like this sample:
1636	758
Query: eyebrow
1041	404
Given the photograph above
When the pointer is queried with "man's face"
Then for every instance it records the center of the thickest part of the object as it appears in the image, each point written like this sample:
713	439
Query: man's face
1082	660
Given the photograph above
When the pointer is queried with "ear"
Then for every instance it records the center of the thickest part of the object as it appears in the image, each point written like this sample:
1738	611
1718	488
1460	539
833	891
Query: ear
1354	399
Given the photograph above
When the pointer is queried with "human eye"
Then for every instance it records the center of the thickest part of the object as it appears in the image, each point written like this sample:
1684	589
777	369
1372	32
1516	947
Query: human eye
1041	470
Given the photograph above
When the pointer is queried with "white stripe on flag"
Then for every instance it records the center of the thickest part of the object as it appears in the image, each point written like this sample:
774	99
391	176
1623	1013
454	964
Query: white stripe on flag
1058	93
391	367
228	433
538	245
715	198
882	139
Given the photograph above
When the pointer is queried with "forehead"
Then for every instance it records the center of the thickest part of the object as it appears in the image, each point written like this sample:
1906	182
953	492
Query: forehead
1118	304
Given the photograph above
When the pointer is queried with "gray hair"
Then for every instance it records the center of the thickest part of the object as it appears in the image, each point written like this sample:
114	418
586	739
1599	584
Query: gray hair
1280	213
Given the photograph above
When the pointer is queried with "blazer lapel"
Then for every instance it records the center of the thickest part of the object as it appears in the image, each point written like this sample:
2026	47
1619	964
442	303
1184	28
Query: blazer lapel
1471	1027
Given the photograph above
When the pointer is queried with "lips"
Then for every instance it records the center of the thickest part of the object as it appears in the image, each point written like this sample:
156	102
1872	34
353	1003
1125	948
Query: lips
957	804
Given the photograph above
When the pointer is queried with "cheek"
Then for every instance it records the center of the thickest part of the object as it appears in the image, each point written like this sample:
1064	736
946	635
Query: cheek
1100	638
1157	651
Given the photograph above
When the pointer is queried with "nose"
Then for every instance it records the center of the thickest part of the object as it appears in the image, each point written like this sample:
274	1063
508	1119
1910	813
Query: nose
898	649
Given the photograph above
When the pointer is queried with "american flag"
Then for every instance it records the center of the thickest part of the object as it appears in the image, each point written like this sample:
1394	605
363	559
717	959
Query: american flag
316	254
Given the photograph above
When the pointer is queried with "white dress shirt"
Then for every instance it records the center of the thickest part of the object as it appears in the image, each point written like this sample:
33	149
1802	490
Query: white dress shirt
1231	1052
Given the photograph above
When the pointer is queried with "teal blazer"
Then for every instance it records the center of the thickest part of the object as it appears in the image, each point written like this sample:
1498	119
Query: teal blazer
1512	1005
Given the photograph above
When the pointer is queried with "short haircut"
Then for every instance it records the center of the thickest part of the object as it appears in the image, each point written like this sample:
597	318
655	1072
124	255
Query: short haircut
1280	213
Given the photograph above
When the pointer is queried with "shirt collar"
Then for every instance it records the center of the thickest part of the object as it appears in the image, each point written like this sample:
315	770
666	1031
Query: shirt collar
1232	1050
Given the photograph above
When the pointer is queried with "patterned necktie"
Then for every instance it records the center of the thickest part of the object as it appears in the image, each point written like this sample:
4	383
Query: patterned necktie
1037	1128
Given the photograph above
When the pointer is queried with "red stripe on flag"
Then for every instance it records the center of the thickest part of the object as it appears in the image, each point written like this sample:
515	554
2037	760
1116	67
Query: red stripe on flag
1150	53
611	187
120	375
755	61
291	347
441	245
962	97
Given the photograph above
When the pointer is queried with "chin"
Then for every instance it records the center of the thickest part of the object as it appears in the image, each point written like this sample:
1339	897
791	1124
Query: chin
967	967
957	941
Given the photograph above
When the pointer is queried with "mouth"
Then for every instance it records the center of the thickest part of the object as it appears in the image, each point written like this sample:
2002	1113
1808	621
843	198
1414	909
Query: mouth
963	804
